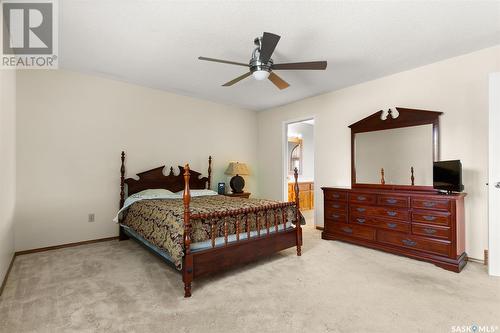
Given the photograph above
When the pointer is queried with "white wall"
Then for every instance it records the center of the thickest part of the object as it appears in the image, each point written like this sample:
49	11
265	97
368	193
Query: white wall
7	167
307	133
494	175
71	129
458	87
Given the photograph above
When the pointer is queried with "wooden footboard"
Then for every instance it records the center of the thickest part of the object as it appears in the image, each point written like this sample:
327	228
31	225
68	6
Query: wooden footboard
239	251
218	259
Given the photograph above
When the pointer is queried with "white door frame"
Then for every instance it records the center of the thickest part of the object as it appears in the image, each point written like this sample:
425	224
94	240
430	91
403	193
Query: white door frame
494	176
284	152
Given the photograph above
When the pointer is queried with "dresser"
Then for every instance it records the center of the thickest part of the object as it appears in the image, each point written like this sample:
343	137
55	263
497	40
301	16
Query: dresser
306	194
422	225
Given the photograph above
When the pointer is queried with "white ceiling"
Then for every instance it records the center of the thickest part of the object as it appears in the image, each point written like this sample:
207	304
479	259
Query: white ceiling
156	43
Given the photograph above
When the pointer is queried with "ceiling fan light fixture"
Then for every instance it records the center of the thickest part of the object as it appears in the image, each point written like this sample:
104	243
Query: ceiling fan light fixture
260	75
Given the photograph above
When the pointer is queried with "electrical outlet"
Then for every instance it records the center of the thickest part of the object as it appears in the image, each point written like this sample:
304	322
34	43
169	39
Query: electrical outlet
91	217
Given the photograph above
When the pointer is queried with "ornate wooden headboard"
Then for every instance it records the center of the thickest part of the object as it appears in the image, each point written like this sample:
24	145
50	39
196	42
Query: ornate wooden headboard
155	179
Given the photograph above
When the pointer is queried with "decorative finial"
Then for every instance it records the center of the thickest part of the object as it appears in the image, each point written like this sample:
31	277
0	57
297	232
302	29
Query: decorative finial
412	177
382	179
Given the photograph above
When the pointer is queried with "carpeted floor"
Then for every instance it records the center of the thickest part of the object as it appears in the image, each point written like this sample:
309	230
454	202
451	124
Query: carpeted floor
334	287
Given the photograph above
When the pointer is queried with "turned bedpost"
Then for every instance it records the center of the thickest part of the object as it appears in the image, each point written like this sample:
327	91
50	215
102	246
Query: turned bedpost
209	172
187	267
121	232
298	227
122	181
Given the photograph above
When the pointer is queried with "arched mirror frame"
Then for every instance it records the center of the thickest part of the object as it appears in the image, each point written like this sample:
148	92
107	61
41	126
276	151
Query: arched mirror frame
406	118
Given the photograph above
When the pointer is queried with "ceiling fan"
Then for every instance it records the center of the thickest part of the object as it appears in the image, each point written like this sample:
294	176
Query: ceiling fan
262	67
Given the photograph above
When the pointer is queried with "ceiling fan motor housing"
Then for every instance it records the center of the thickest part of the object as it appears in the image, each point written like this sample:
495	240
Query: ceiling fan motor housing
255	63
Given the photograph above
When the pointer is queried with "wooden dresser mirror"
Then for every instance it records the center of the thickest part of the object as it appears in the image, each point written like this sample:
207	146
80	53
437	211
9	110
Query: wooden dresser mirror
395	149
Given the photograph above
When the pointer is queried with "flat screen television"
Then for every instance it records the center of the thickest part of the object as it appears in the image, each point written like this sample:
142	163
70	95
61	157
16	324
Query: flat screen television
447	176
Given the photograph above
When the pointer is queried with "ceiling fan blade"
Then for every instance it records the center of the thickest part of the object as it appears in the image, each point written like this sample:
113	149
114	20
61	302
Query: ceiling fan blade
223	61
269	42
319	65
239	78
278	82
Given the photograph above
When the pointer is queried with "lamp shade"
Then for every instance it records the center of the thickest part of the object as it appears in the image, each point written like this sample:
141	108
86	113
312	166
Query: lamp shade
236	168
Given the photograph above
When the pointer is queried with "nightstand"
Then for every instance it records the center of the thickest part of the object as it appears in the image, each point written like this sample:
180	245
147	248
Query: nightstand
238	195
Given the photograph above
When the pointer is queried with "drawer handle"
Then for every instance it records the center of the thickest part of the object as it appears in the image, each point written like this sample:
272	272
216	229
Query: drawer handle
409	242
359	209
429	218
391	201
429	204
348	230
392	225
336	206
360	221
336	195
335	216
361	198
429	231
391	213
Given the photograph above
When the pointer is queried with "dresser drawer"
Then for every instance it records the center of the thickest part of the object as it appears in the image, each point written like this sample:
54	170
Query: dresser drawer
335	195
393	201
335	215
363	198
359	210
392	213
431	231
337	205
380	223
359	219
414	242
354	231
439	204
432	217
391	225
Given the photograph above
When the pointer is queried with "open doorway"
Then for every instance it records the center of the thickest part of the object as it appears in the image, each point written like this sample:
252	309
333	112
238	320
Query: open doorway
300	154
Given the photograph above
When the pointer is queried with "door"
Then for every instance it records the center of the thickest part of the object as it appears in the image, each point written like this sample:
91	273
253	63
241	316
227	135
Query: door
494	176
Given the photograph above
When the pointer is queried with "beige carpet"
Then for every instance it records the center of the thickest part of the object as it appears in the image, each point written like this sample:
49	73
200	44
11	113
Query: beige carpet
334	287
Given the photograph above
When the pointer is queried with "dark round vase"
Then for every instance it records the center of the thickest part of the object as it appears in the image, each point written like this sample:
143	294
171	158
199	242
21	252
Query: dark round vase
237	184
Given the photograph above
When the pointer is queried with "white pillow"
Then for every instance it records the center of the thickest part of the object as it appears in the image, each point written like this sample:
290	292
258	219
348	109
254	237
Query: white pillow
199	193
154	192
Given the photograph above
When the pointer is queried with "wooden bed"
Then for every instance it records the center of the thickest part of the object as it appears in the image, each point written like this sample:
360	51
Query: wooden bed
217	258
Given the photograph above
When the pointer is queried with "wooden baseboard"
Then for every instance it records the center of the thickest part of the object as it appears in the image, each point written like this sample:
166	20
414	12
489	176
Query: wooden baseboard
4	282
479	261
319	227
62	246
